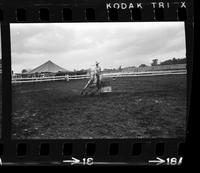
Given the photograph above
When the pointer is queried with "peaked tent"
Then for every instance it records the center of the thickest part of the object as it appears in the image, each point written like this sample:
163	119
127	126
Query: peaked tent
48	66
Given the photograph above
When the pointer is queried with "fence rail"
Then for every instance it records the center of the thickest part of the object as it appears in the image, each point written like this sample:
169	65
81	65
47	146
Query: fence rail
108	75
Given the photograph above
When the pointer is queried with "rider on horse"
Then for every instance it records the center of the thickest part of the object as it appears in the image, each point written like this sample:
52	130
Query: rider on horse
97	72
95	78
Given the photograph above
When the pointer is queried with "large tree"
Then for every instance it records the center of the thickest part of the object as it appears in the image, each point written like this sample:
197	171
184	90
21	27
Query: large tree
154	62
143	65
24	71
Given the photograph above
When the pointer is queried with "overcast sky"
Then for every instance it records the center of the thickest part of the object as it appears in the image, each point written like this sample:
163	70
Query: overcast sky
79	45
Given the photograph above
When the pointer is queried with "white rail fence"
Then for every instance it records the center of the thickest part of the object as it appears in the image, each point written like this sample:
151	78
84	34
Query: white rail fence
108	75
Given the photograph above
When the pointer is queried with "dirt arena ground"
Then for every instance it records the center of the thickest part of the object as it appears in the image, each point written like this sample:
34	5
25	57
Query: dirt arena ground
138	107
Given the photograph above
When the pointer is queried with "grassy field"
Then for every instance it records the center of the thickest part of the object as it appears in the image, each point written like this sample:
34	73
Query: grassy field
138	107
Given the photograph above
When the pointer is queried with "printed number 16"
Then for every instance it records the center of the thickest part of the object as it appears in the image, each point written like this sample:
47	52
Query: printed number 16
174	161
87	161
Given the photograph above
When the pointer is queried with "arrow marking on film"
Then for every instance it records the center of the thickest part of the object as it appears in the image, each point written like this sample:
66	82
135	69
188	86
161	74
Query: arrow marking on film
73	161
158	161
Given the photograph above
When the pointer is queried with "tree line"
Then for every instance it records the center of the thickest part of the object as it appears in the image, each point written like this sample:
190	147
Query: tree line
169	61
154	63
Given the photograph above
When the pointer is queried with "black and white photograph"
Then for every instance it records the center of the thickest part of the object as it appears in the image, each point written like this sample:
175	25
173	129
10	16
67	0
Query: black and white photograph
117	80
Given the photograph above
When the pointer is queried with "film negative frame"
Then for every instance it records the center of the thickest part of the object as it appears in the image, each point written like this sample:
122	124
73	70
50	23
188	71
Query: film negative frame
89	151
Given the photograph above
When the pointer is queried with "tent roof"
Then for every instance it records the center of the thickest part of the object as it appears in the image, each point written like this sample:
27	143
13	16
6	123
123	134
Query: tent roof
48	66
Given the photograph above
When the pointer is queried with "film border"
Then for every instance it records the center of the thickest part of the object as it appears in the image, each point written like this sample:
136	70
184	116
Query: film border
9	14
